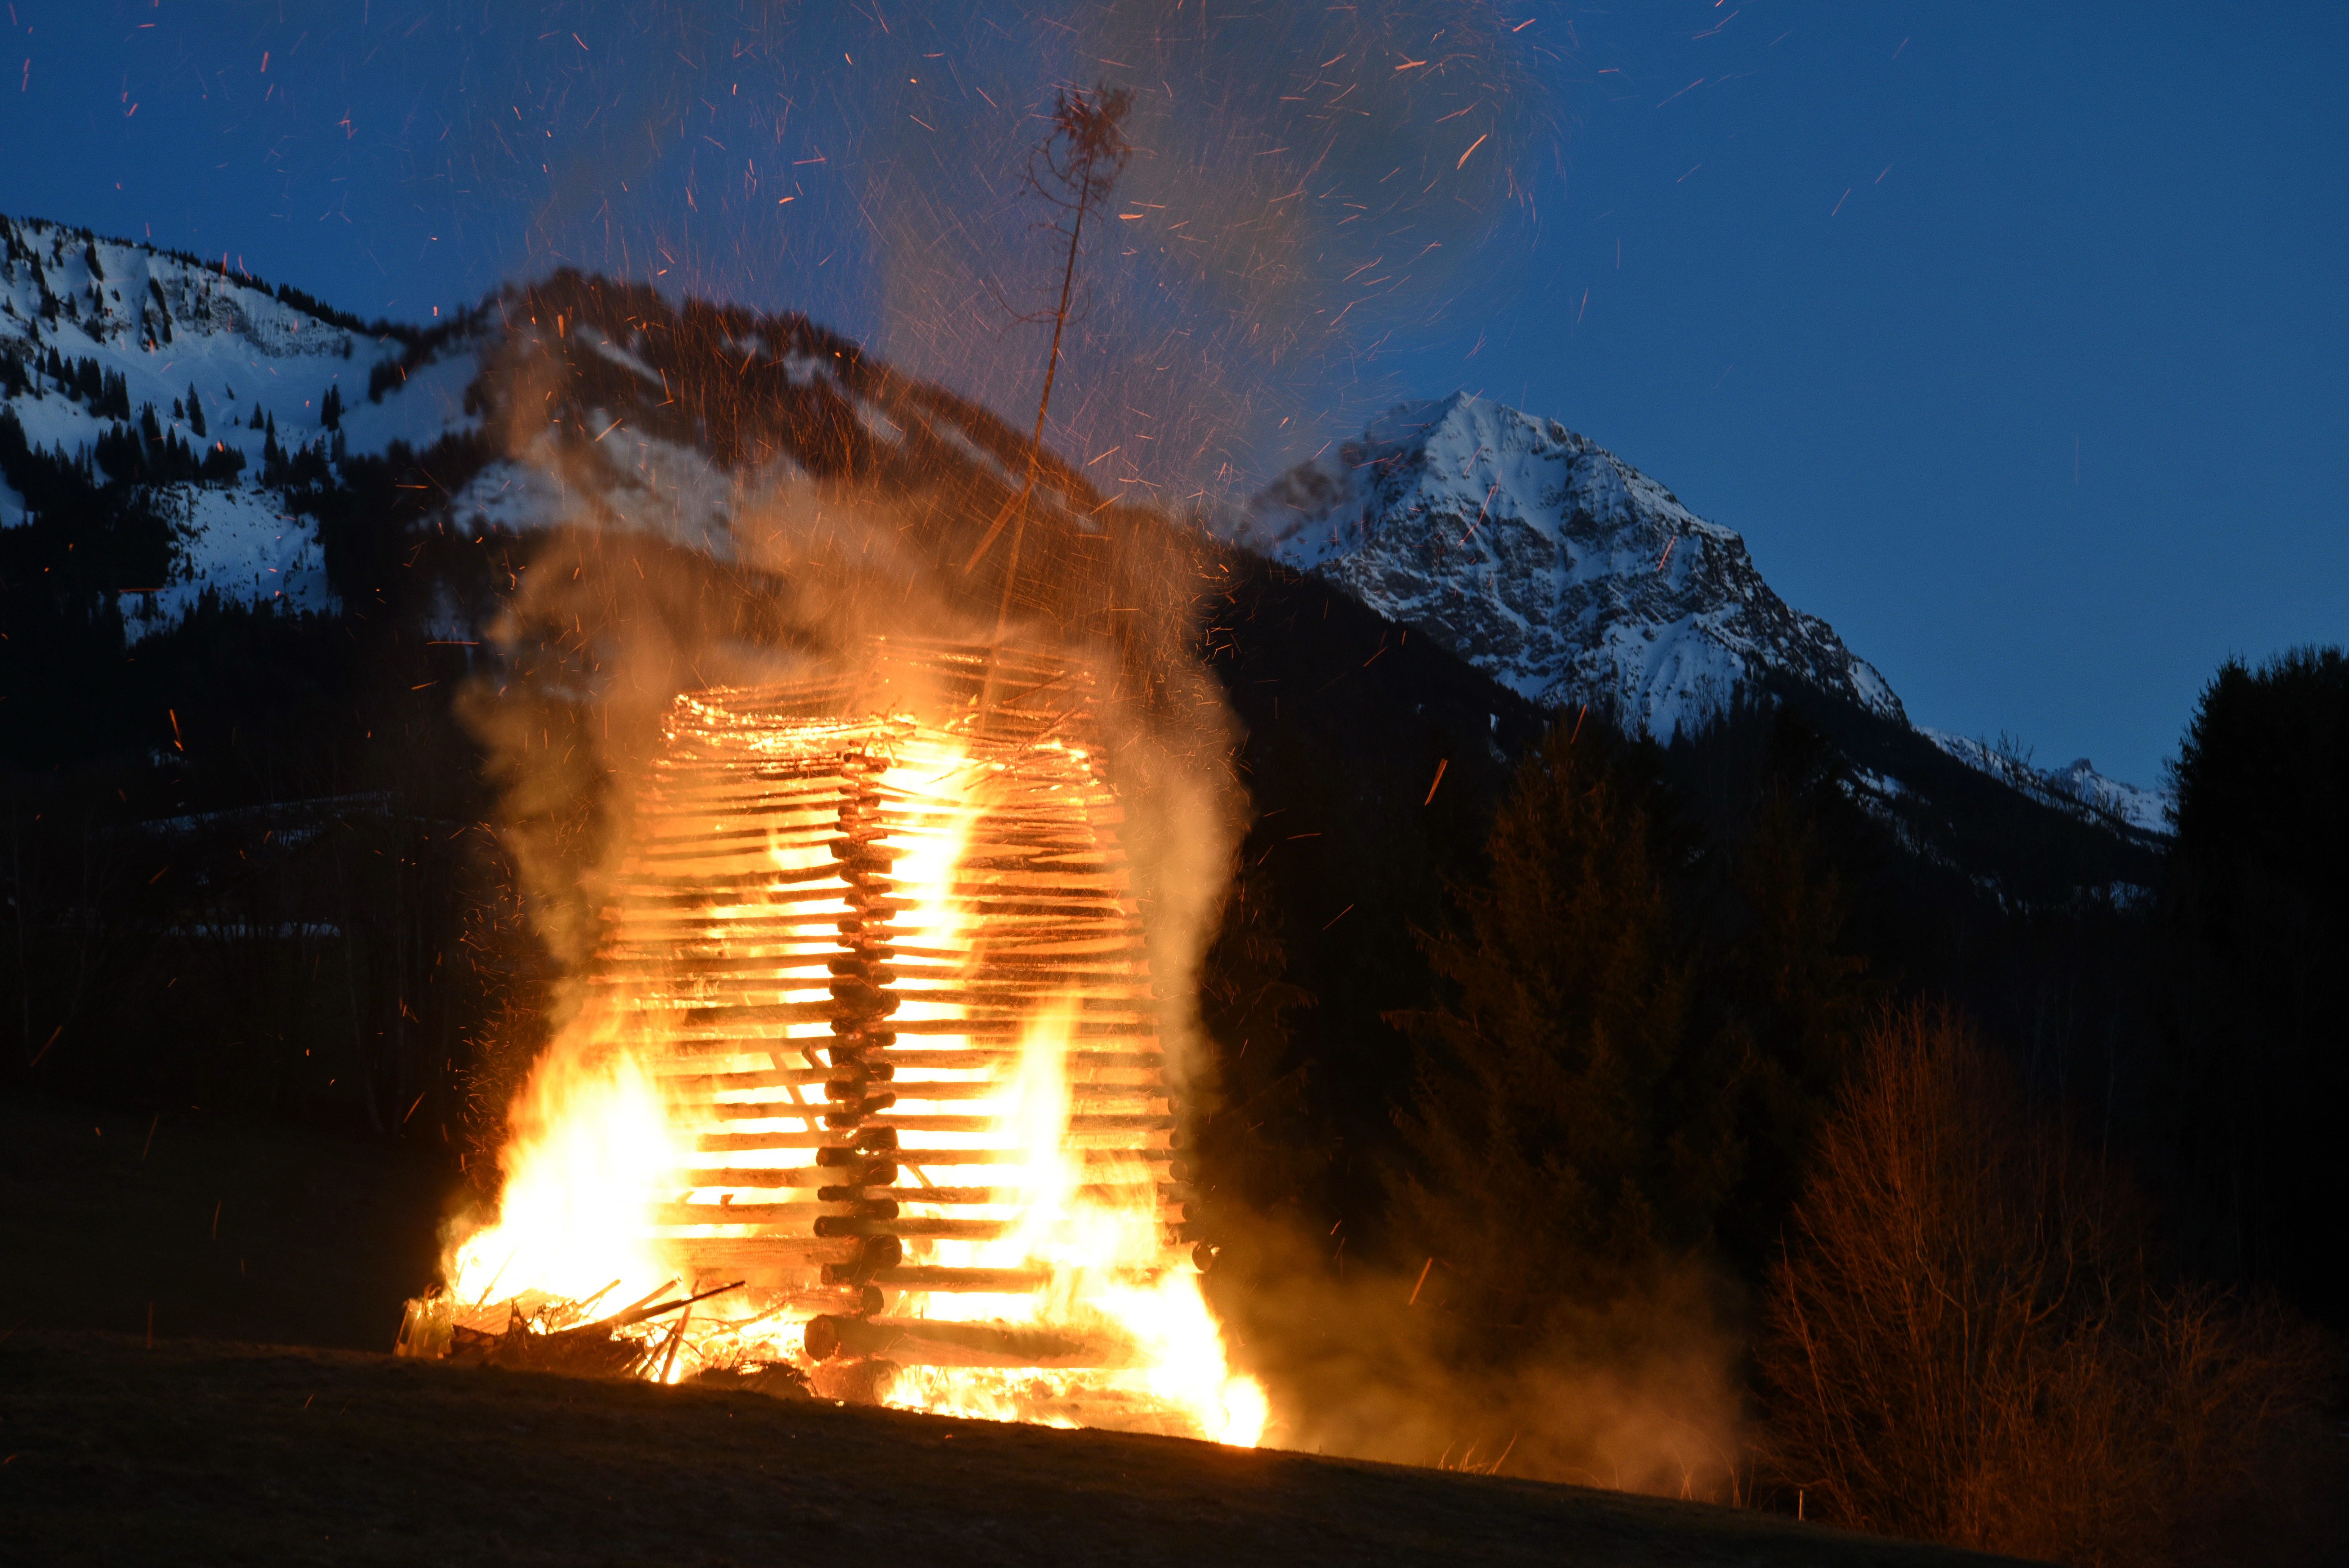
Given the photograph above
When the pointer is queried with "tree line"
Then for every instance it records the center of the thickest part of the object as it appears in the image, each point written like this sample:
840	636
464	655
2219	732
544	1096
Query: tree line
1678	1074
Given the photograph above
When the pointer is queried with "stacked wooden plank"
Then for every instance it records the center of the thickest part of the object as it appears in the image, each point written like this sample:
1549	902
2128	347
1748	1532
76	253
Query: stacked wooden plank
889	967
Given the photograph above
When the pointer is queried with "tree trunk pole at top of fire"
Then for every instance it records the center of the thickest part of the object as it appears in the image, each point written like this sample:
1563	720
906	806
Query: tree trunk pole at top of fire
1083	156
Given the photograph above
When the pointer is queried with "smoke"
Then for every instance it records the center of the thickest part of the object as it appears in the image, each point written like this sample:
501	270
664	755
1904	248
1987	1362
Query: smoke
1637	1393
673	570
1308	182
1313	188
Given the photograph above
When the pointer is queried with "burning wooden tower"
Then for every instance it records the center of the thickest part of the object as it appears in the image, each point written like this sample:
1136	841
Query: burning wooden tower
892	979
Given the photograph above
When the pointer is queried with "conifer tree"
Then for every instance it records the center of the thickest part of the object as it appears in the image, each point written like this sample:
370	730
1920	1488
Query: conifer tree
1573	1125
196	412
330	408
2256	1069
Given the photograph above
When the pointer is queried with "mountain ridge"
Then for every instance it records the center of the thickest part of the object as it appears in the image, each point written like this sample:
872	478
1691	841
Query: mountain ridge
1539	557
1572	577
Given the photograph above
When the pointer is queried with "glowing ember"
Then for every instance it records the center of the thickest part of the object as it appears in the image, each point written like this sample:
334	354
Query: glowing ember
890	971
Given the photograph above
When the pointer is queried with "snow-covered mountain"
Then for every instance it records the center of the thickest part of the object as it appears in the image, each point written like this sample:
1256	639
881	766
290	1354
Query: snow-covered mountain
2077	790
1573	577
94	333
1527	550
1549	561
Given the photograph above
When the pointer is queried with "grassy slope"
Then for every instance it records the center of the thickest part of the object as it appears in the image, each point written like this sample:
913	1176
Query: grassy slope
209	1453
196	1450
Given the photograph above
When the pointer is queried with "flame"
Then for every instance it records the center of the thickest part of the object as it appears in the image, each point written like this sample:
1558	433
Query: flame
590	1212
591	1147
1108	1272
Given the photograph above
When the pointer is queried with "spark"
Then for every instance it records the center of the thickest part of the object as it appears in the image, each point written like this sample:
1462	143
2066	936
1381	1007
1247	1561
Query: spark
1473	527
1473	147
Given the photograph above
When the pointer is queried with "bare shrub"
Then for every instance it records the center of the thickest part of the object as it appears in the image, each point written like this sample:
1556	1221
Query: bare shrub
1965	1341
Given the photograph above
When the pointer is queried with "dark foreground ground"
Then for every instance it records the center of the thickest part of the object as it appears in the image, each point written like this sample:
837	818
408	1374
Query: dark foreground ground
197	1225
219	1445
197	1452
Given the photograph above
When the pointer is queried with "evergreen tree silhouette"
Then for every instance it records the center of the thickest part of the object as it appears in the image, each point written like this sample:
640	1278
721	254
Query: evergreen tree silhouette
2256	1064
1573	1124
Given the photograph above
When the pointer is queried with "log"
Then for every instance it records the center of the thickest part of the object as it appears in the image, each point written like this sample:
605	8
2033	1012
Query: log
742	1142
925	1158
1040	950
762	879
754	894
975	1016
684	1080
907	1060
993	1282
1168	1195
1011	1029
926	1092
758	1110
730	1255
772	1111
1110	1122
908	1227
859	1301
803	1213
918	1341
758	1177
792	970
734	827
682	1045
728	1030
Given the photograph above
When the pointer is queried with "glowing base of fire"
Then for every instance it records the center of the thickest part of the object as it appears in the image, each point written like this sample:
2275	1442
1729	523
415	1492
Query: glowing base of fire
1185	1390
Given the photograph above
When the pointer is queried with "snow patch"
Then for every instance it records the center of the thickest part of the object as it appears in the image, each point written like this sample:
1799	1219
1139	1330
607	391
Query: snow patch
236	545
2076	789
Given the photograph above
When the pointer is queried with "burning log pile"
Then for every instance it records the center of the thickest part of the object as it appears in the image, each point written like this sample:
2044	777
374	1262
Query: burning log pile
878	992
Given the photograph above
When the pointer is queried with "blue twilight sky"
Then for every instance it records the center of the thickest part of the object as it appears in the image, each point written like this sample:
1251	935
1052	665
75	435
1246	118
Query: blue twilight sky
2011	335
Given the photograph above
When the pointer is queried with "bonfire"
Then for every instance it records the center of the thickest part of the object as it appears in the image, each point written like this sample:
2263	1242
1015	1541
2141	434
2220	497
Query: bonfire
865	1093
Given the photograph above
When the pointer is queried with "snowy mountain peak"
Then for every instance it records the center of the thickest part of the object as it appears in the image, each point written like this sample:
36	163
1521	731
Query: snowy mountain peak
154	367
1546	560
2077	790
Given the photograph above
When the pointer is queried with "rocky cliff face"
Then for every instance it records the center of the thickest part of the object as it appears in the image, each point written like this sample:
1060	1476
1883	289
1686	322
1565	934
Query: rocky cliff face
1549	561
